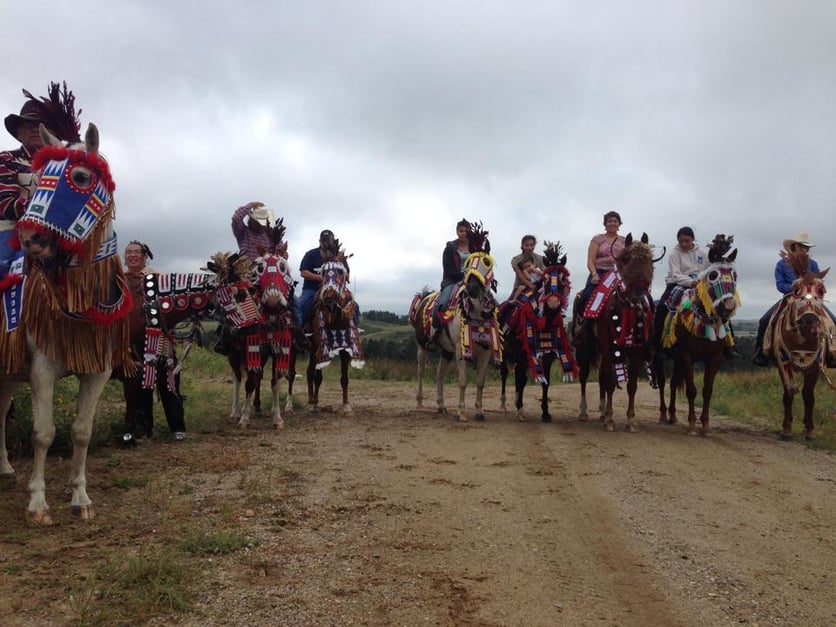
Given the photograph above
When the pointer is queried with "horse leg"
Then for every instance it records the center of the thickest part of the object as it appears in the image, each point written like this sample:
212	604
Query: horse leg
786	431
711	370
314	381
809	396
7	390
235	364
482	362
90	389
249	390
503	377
461	367
443	364
520	381
275	407
423	355
690	393
547	362
583	372
256	397
345	361
42	378
291	377
659	371
636	362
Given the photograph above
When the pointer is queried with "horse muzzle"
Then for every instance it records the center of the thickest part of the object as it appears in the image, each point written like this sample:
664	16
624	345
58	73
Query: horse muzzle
37	243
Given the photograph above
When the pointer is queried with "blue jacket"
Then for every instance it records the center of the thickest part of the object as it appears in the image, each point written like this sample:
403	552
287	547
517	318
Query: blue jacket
785	277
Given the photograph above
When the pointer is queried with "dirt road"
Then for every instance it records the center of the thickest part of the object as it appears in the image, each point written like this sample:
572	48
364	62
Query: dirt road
393	516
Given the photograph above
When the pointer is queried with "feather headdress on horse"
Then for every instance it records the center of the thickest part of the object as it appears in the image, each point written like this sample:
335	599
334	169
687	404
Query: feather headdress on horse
718	249
553	254
56	111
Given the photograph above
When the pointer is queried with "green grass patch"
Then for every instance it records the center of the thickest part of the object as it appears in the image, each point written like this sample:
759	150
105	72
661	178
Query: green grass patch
124	483
216	544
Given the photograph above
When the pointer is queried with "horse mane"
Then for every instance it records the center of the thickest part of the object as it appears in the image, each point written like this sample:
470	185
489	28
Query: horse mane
720	249
552	254
477	239
57	112
799	261
277	244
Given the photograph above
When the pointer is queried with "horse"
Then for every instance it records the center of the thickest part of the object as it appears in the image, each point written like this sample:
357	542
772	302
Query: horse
619	315
470	328
67	312
162	301
698	331
798	339
536	334
272	336
332	323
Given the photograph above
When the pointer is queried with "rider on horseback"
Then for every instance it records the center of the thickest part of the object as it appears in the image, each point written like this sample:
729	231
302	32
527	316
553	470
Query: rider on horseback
452	261
785	275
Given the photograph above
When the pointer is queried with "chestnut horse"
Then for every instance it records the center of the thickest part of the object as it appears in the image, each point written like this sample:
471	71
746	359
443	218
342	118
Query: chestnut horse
536	335
67	312
698	331
620	338
334	330
798	339
471	330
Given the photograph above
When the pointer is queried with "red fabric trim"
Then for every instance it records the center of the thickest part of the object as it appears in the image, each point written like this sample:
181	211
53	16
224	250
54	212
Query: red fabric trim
59	153
97	316
9	280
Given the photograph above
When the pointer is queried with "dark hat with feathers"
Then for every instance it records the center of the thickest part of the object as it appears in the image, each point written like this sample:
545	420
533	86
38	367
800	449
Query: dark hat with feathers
56	111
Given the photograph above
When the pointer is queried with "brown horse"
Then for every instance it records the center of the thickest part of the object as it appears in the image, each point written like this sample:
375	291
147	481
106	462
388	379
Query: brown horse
798	339
333	327
698	331
536	334
618	339
271	339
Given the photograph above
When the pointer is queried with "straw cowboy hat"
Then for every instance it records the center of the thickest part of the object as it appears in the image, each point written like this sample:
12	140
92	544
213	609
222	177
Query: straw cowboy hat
798	238
263	215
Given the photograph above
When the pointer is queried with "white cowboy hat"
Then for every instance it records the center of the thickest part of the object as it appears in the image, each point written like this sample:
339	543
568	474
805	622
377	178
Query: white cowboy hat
798	238
263	215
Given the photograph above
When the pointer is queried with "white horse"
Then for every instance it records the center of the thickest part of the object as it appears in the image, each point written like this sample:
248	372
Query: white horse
74	310
471	333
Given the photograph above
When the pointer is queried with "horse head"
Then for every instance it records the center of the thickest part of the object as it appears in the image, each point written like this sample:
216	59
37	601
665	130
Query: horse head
273	280
716	287
635	265
806	300
553	292
71	208
478	271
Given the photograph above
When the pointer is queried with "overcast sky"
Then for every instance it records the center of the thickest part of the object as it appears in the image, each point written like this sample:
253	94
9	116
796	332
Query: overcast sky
389	121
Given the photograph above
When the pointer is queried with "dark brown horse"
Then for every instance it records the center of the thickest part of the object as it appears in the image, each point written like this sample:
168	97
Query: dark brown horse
698	331
797	340
619	341
536	335
270	340
334	331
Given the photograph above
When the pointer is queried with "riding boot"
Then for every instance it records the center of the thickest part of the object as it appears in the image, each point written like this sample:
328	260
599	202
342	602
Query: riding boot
760	359
730	352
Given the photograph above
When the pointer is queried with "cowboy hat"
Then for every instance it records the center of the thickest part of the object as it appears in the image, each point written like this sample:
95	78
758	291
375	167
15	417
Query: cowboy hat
798	238
29	112
263	215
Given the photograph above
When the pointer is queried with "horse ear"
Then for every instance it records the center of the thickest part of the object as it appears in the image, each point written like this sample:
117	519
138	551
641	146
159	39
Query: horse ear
91	138
46	137
732	256
645	239
823	273
628	241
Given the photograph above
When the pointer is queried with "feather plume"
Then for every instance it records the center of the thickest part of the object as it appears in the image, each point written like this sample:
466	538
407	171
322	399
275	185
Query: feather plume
553	254
57	112
720	247
477	239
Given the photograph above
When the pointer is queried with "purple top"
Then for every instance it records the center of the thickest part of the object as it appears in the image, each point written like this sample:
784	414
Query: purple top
605	259
248	241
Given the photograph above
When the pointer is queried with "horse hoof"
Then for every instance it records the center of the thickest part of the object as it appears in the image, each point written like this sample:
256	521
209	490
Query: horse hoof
632	429
479	417
809	435
346	409
278	425
82	512
546	418
463	419
583	417
441	411
786	437
40	519
608	426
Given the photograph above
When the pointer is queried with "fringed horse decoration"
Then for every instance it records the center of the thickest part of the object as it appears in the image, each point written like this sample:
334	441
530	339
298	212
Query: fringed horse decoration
471	332
621	330
799	336
334	330
272	336
699	330
536	335
67	311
